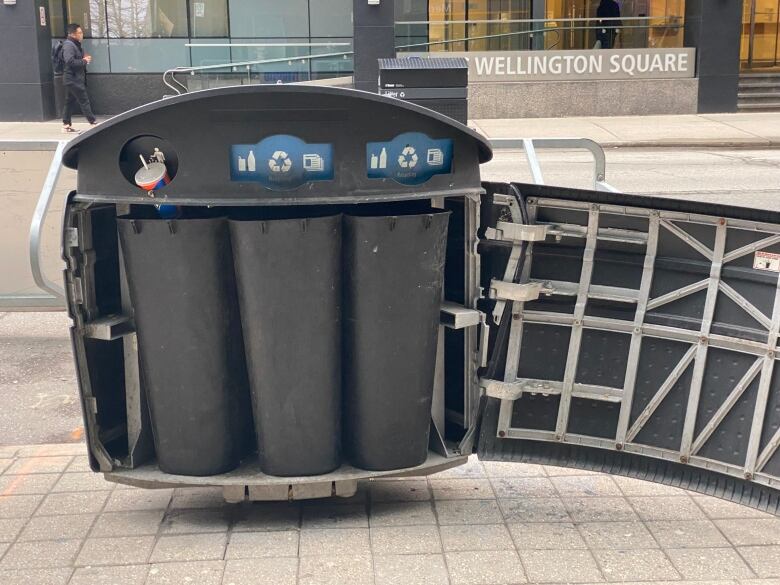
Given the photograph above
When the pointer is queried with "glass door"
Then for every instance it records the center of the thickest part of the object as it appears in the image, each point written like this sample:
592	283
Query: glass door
760	27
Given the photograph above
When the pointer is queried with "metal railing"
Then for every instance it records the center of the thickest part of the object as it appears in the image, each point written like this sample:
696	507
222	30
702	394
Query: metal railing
53	297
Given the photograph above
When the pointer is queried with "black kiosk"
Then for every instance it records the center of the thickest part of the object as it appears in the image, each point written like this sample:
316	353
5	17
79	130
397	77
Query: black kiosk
282	290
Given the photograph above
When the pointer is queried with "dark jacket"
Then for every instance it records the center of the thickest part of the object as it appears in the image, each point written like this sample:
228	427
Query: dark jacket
609	9
75	71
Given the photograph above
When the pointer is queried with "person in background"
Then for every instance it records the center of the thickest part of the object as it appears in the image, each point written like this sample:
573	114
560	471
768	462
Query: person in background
608	29
75	62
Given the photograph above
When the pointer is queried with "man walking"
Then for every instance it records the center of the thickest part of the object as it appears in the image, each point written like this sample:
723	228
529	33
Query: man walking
75	63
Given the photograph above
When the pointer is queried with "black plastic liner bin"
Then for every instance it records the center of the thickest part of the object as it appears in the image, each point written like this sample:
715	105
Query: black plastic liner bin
394	274
289	282
190	347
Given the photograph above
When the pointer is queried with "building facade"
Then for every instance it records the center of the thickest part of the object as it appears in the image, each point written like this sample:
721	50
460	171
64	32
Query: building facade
133	42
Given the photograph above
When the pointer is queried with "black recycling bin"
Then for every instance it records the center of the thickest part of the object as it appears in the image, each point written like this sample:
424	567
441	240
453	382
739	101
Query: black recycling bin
394	275
289	282
189	341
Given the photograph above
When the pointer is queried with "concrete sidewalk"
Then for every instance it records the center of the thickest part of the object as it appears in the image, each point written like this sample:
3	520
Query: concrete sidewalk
755	130
481	524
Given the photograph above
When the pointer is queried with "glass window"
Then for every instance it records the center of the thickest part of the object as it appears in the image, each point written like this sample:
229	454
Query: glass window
57	18
98	50
201	56
338	65
91	15
269	18
208	18
130	19
331	19
147	55
283	52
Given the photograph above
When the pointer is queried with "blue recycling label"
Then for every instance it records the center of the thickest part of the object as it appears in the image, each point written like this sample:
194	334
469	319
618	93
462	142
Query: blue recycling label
410	159
281	162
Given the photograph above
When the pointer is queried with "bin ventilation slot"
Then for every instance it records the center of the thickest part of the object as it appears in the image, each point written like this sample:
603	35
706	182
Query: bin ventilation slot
515	232
109	328
509	291
514	390
454	316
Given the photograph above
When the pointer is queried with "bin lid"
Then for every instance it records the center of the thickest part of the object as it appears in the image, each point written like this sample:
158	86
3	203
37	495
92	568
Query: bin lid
279	144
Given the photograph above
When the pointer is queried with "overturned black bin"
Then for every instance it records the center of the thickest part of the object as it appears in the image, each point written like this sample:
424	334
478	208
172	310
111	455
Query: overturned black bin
289	281
189	341
394	279
257	298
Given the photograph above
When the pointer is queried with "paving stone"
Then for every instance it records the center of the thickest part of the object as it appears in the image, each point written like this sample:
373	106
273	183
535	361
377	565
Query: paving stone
9	452
46	554
485	567
127	575
195	572
709	563
19	485
534	510
78	465
256	516
10	529
333	570
82	482
546	536
28	465
196	521
585	485
140	523
19	506
410	570
125	550
189	547
191	498
560	566
402	514
512	469
635	565
334	516
52	450
36	577
765	560
667	508
468	512
475	537
5	464
523	487
137	499
408	490
472	469
755	531
74	503
334	541
717	509
553	471
281	571
590	509
4	547
396	540
462	489
617	535
75	526
639	487
687	534
249	545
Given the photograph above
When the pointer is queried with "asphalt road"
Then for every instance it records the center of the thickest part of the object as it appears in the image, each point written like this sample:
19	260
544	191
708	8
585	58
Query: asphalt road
38	393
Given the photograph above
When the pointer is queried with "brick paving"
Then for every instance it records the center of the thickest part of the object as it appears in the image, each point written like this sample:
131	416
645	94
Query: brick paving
482	524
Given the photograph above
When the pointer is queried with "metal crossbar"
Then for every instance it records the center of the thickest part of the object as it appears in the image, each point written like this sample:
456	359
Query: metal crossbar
54	297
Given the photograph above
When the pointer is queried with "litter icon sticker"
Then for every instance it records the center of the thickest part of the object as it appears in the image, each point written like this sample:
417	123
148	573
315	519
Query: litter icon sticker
281	162
767	261
410	159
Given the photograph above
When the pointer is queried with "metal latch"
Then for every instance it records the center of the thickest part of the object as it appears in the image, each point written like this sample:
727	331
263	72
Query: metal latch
510	291
517	232
71	237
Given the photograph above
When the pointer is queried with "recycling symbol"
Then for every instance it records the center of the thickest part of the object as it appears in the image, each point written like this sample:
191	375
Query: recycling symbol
280	162
408	158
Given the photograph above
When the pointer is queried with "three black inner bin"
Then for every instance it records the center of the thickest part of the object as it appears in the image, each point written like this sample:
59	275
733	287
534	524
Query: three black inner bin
308	334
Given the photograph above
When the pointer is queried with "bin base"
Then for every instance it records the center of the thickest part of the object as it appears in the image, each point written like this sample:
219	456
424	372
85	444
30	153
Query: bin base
250	481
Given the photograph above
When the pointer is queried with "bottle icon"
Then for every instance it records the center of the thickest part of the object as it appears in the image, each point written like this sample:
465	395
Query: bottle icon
374	161
250	162
383	158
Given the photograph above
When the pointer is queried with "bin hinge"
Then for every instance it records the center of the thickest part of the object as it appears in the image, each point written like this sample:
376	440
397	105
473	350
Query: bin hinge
517	232
510	291
76	291
501	390
71	237
484	340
